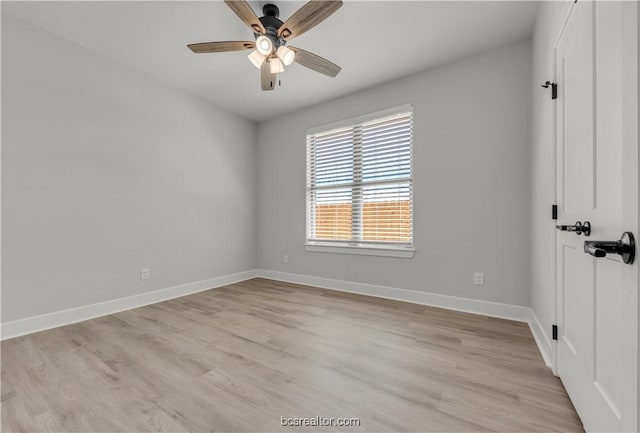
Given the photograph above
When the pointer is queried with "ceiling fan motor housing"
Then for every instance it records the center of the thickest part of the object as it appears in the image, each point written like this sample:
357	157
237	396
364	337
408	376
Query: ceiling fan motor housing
272	23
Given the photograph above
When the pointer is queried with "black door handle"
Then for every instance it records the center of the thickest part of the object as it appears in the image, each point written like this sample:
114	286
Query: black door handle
579	228
625	247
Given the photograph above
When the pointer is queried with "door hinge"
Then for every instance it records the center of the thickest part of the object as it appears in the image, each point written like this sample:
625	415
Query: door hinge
554	89
554	332
554	211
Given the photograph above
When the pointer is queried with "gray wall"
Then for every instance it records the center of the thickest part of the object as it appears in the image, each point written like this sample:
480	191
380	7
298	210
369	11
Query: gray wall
106	171
551	16
472	181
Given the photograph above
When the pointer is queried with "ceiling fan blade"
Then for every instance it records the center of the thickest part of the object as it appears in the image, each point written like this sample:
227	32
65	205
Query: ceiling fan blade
218	47
267	79
307	17
315	62
246	14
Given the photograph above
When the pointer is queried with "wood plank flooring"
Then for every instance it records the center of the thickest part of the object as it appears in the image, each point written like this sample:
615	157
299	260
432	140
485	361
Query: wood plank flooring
239	358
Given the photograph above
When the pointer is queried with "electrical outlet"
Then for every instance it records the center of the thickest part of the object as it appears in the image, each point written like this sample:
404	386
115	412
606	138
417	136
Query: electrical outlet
478	278
285	259
145	273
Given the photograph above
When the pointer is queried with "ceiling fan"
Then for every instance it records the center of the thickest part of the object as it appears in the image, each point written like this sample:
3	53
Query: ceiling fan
271	36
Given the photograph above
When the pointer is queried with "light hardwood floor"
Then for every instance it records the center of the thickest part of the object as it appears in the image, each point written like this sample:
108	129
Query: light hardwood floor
239	357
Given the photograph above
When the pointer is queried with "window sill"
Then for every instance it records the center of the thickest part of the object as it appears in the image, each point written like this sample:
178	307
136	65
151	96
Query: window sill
362	250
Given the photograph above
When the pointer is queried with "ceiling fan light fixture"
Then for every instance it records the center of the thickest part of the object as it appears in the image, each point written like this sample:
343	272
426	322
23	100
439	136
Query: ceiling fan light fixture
270	34
286	55
264	45
276	65
257	59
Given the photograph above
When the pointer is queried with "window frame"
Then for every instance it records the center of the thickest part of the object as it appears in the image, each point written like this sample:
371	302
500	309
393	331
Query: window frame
361	247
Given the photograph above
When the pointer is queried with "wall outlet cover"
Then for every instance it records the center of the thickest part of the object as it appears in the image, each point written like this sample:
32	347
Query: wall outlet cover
145	273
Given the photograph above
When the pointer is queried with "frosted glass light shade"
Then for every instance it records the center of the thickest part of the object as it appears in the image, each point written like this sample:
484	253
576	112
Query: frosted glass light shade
276	65
264	45
286	55
256	58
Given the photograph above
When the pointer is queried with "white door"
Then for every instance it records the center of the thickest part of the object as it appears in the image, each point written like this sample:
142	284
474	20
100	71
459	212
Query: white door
597	181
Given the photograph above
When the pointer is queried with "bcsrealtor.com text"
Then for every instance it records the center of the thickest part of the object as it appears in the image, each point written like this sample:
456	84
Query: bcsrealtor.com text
319	421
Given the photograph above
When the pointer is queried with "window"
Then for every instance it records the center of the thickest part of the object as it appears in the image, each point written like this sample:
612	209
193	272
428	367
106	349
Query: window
360	183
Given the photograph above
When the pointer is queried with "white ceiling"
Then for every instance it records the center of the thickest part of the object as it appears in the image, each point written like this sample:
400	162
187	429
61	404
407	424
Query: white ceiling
373	41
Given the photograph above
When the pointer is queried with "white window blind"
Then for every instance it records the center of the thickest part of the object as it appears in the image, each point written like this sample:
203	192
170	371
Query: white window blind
360	184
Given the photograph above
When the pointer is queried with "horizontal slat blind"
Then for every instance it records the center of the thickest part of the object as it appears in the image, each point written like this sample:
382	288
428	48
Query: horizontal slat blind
359	182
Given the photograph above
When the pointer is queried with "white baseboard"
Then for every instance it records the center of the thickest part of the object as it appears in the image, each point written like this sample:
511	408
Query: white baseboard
486	308
65	317
493	309
475	306
545	345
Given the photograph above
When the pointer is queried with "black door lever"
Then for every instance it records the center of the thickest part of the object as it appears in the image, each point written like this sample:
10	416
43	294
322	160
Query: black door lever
625	247
579	228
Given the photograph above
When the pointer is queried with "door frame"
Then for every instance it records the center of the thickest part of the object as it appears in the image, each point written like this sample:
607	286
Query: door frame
554	253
